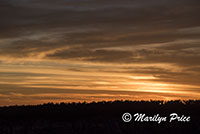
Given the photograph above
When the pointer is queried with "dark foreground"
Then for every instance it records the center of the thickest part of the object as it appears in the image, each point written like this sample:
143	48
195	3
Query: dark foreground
98	118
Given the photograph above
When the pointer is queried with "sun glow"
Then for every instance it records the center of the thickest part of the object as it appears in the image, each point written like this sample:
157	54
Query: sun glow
143	77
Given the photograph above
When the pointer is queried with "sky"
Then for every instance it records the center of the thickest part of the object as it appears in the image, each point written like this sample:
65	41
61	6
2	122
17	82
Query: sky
94	50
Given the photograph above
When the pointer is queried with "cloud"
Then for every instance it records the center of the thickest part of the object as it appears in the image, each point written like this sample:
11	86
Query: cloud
82	38
43	29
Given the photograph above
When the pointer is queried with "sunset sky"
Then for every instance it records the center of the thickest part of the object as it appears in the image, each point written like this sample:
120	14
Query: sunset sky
94	50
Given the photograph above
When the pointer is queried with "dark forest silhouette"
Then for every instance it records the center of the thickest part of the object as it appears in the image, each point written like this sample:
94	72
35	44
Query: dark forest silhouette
98	118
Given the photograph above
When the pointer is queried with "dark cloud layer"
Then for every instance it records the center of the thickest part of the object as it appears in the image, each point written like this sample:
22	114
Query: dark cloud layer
31	27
